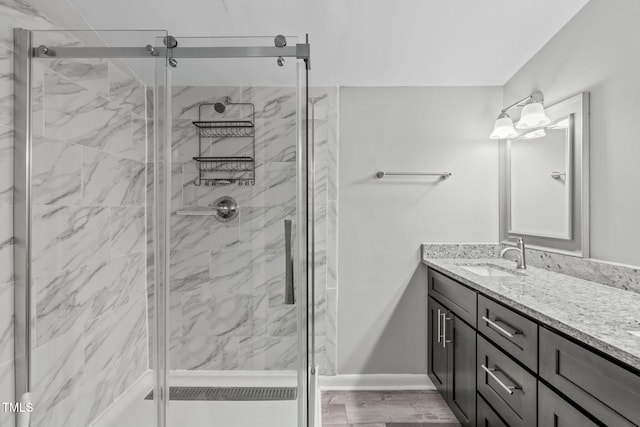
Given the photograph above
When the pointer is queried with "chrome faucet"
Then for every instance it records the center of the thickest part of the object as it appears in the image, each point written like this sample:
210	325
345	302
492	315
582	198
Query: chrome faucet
521	263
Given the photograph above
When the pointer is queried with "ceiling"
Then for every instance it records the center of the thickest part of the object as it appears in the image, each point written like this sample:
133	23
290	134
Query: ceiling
358	42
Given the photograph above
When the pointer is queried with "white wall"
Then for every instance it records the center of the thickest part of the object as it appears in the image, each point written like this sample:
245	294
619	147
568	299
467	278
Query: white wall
599	51
382	312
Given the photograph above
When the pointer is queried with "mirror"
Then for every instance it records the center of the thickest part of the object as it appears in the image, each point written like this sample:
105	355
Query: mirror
540	181
544	181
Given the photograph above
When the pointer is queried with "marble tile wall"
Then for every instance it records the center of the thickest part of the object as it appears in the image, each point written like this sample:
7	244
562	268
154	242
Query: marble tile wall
13	13
89	232
227	279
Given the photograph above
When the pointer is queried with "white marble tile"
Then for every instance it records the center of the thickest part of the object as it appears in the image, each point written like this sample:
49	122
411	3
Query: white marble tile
111	180
278	179
203	232
74	297
271	102
6	82
204	353
276	140
122	83
232	272
270	353
187	99
68	237
139	137
58	368
88	73
269	275
326	100
127	231
6	165
6	322
115	337
73	113
37	98
331	355
76	115
282	321
205	314
189	270
56	174
332	245
184	141
6	390
175	316
6	244
262	228
321	311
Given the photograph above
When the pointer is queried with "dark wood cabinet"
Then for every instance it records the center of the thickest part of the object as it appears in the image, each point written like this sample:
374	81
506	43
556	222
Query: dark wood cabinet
451	361
437	352
496	366
461	362
554	411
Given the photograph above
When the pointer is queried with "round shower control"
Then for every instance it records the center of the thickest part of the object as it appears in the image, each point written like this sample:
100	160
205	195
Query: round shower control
226	209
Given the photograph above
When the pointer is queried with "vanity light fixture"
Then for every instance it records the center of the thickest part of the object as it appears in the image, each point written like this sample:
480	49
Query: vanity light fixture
503	129
532	116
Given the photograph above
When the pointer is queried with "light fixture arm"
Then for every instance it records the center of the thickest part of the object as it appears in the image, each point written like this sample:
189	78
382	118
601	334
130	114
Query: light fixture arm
536	96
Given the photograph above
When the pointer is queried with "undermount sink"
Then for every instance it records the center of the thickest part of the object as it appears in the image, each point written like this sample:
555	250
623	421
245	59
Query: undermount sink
487	270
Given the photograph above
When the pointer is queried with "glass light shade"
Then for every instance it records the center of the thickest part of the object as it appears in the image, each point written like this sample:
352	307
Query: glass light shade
503	129
534	134
533	116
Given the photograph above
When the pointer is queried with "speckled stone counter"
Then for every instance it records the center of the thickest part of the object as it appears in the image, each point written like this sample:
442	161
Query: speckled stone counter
595	314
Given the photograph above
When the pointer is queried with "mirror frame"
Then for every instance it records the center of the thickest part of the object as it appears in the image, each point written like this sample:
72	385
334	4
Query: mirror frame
578	242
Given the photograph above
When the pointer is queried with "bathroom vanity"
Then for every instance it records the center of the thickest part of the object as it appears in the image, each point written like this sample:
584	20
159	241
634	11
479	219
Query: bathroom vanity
531	347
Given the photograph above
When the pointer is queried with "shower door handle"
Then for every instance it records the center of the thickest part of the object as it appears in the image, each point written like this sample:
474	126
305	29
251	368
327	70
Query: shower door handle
289	293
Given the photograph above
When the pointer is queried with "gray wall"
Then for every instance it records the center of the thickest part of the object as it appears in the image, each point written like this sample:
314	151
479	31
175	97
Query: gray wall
382	312
598	51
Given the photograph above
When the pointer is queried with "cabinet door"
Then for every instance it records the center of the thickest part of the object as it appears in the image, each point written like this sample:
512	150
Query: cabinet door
554	411
486	416
460	341
436	351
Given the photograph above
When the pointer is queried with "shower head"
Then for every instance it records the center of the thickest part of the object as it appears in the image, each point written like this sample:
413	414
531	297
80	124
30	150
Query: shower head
219	107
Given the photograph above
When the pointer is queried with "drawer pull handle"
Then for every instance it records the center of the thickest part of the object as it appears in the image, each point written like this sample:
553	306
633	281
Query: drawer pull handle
490	371
500	328
439	326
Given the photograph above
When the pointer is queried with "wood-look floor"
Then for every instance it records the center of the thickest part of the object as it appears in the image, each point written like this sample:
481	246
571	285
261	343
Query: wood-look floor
385	409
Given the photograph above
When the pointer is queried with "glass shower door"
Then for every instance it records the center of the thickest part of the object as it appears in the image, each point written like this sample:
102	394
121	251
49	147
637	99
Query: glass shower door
239	330
91	152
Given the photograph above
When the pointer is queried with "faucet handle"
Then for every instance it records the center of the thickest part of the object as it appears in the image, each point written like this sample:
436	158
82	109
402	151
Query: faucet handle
514	241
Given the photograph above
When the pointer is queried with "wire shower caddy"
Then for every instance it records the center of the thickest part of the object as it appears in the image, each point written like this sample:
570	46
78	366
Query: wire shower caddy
224	170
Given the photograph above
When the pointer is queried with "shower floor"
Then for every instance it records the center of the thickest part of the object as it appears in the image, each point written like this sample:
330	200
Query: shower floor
135	411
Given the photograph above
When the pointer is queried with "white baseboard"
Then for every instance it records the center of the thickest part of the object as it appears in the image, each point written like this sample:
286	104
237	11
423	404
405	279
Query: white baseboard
376	382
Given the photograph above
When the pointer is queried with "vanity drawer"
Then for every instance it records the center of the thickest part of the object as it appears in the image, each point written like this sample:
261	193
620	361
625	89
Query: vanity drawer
507	386
554	411
455	296
486	417
609	392
512	332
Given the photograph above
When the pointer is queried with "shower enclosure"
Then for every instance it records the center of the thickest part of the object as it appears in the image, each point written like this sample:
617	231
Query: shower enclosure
164	254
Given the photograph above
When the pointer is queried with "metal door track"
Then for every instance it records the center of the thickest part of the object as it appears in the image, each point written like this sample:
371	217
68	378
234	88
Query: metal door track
230	393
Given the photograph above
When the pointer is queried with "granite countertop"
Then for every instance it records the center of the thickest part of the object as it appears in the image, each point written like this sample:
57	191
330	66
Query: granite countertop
597	315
